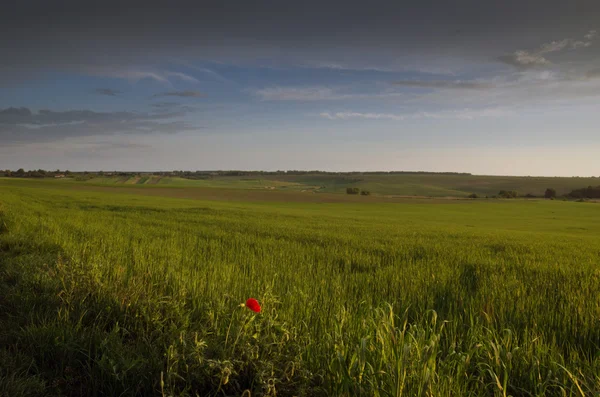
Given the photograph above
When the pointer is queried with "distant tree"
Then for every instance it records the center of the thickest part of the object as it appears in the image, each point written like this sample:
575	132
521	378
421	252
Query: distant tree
20	172
352	190
550	193
473	196
508	194
529	195
365	193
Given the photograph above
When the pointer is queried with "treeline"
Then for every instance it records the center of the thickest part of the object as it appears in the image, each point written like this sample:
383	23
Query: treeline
21	173
301	172
204	174
589	192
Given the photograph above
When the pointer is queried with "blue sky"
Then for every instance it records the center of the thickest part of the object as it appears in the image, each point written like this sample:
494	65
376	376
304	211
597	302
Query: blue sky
303	89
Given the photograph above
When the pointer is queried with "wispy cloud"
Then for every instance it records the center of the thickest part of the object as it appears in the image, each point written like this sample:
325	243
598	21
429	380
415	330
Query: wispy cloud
530	87
295	93
444	84
350	115
528	59
464	114
524	59
184	94
346	67
107	91
126	73
134	73
182	76
591	35
427	64
203	70
318	93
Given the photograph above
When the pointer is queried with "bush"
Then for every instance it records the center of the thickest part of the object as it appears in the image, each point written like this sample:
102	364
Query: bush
352	190
473	196
508	194
550	193
365	193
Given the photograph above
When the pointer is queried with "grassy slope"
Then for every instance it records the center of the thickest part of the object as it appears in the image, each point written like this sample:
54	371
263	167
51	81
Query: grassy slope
124	290
457	185
434	185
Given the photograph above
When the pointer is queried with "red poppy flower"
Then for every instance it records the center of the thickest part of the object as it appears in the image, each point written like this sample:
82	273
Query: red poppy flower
253	305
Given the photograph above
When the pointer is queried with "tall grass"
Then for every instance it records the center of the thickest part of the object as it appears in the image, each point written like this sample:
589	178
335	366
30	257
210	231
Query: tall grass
110	294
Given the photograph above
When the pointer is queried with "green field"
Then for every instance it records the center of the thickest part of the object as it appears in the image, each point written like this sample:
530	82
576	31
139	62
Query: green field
136	290
426	184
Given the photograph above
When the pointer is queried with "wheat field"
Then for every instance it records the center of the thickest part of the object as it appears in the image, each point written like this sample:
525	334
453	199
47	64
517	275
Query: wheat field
109	293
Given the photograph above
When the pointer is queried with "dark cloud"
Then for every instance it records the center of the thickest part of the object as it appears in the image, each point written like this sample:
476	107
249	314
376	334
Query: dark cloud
132	39
463	85
45	117
185	94
23	125
107	91
14	113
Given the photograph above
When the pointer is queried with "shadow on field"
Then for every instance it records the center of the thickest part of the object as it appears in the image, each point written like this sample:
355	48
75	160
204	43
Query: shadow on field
63	332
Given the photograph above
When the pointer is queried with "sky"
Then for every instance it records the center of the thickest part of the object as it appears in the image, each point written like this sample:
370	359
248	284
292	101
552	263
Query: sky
487	87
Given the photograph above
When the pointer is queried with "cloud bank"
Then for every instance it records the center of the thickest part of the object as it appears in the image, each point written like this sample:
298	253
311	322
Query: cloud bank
137	40
23	124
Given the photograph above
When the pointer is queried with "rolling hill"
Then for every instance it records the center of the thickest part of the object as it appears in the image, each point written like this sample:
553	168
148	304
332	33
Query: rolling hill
408	184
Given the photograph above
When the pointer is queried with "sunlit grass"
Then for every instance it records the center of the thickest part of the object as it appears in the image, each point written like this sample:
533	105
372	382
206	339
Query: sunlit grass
120	294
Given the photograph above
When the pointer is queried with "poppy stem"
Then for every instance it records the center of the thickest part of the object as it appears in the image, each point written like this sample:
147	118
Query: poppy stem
229	328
